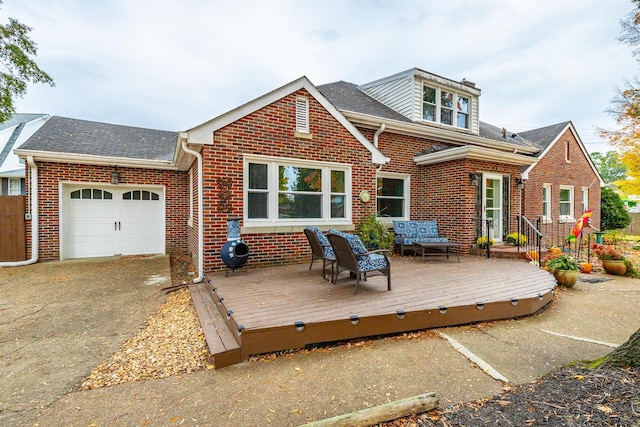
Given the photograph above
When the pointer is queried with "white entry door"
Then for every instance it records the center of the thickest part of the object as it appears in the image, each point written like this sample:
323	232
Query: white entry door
492	202
106	221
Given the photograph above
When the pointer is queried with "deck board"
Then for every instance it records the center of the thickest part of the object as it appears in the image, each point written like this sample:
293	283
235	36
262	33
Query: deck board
268	301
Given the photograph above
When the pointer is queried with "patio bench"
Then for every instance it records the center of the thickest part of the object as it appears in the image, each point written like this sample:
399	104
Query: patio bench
409	234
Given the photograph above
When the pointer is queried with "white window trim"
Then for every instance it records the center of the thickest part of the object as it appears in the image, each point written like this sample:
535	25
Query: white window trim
585	199
571	216
10	190
273	223
387	220
546	216
439	106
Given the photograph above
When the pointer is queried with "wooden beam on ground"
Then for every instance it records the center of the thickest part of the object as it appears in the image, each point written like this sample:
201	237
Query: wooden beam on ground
387	412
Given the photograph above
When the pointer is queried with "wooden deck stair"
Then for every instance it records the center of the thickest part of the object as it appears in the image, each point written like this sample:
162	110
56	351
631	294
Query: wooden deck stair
221	340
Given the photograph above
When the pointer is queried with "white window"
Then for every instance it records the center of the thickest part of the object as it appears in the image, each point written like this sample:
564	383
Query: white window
445	106
296	191
392	196
15	187
566	203
302	115
585	199
546	202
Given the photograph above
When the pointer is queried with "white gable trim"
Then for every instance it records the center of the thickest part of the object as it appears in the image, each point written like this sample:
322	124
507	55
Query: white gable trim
569	126
204	133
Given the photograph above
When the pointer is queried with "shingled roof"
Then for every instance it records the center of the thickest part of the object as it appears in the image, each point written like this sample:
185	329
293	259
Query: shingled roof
73	136
542	137
347	97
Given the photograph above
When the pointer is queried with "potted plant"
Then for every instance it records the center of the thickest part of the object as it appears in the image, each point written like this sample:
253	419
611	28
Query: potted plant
374	234
481	242
564	268
612	259
516	239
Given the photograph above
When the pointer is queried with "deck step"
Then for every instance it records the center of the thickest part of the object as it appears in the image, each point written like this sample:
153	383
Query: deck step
221	341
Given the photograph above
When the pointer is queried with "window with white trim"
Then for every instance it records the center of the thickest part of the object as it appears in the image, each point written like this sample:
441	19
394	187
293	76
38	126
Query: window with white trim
15	186
392	196
585	199
566	202
302	115
296	191
567	152
546	202
445	106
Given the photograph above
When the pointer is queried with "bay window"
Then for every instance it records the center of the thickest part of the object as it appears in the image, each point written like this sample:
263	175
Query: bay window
295	191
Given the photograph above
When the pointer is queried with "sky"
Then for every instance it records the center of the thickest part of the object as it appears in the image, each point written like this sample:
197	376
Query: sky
172	65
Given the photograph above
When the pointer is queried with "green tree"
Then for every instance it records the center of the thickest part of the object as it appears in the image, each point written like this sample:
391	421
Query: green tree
613	214
610	167
17	67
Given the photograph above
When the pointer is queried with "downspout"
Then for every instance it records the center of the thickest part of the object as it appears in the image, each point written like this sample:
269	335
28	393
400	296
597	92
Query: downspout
200	214
33	189
375	140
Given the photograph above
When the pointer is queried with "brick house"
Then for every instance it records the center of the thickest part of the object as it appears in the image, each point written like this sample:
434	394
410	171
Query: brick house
297	155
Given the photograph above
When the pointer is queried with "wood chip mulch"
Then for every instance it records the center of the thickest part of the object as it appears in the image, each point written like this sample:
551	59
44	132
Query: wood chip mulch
171	343
571	396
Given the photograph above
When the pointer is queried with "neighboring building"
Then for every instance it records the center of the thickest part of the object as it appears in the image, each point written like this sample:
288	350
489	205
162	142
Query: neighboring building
295	156
13	133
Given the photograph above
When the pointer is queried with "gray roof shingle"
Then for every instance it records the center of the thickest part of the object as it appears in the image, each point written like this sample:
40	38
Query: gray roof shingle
544	136
65	135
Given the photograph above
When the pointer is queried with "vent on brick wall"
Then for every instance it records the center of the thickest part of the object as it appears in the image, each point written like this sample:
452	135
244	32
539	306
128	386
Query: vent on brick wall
302	115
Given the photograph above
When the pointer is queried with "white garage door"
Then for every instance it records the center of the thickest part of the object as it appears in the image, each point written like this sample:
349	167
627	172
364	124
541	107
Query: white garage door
106	221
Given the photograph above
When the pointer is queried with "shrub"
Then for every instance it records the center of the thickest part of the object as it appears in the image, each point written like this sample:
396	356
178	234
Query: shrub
481	242
613	214
374	234
517	239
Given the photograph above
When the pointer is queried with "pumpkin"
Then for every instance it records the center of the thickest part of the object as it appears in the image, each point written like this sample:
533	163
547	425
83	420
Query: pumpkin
555	251
532	255
586	267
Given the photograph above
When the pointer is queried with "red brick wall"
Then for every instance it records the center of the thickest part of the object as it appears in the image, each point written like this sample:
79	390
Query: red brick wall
443	191
270	132
553	169
50	174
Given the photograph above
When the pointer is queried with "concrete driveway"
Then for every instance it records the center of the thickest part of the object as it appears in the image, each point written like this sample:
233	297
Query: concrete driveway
59	320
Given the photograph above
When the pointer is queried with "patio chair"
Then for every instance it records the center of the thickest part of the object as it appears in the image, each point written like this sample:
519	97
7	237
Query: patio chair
352	255
320	249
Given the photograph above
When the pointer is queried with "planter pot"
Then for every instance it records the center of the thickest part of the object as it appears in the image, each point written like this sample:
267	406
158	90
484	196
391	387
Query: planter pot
617	267
566	278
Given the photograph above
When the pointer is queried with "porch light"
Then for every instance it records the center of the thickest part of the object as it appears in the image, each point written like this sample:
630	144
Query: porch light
475	179
115	176
520	183
299	325
354	319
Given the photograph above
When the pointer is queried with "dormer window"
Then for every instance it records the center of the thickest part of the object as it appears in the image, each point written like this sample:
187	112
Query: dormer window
444	106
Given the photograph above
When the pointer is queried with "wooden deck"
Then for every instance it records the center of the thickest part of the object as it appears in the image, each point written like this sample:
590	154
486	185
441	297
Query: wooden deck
278	308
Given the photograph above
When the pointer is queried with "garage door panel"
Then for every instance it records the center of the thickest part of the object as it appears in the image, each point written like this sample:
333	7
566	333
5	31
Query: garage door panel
114	226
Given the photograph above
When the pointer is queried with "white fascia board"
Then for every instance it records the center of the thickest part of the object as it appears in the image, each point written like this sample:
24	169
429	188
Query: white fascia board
84	159
474	153
525	174
204	134
440	135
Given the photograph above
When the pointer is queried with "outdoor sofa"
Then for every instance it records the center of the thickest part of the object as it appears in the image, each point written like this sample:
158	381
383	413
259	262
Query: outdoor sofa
409	233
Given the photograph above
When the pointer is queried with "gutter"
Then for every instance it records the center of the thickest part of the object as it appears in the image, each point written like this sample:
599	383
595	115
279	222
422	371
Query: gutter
87	159
33	210
198	156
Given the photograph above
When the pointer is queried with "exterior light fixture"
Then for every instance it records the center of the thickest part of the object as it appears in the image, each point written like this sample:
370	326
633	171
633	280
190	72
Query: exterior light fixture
475	178
115	176
520	183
